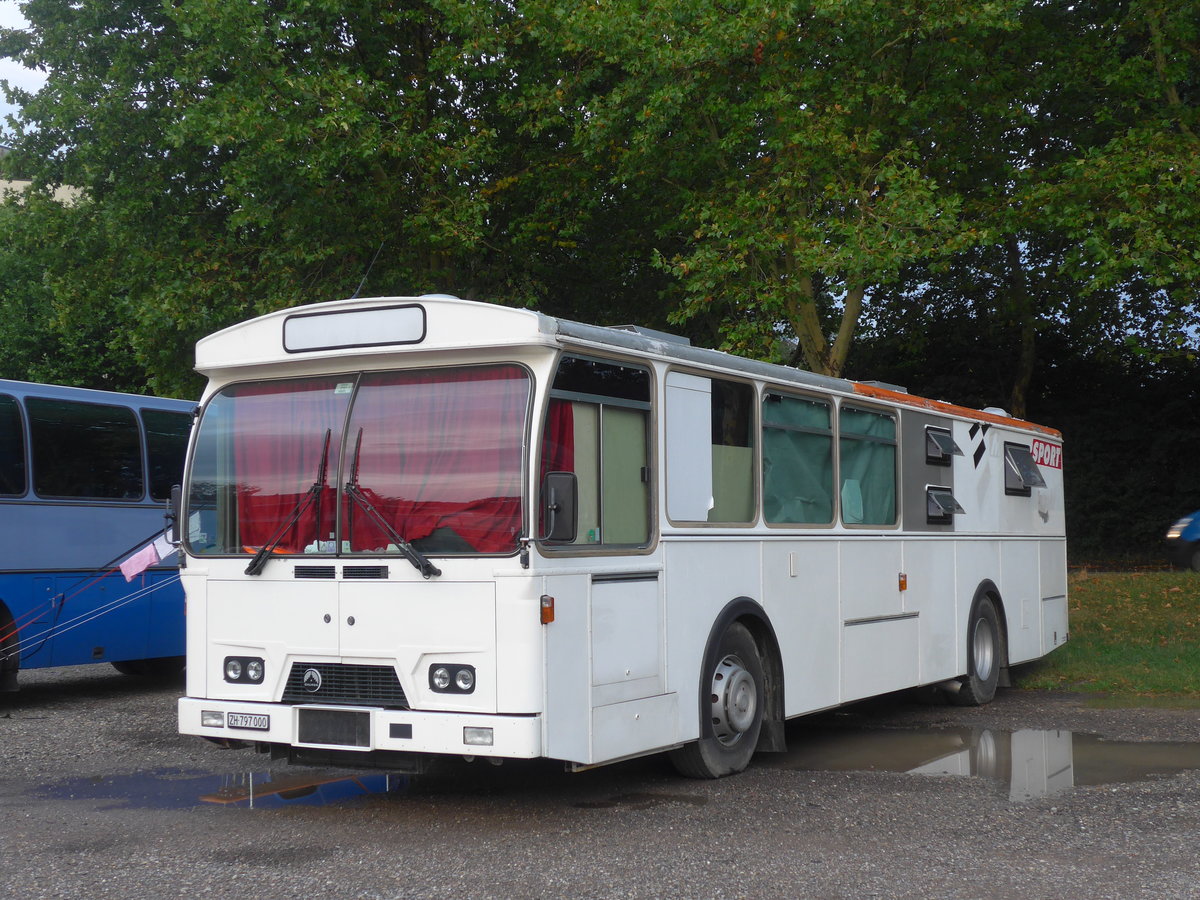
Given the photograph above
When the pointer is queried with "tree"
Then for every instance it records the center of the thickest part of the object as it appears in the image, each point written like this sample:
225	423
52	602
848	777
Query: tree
762	175
800	142
820	153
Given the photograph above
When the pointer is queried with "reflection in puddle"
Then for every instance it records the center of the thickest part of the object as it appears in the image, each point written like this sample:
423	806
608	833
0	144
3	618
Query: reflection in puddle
1028	763
175	789
275	789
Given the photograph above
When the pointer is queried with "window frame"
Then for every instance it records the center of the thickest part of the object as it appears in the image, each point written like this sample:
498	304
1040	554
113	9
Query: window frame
944	516
21	445
1014	455
935	453
600	401
336	474
755	435
830	403
152	452
853	404
139	439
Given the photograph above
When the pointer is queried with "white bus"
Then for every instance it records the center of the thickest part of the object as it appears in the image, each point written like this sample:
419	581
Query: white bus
420	526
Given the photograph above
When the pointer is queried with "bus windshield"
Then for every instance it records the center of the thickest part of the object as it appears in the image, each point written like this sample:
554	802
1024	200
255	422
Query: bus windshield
362	464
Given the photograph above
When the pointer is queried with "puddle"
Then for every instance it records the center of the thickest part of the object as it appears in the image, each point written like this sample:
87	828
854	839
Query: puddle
1025	764
1028	764
178	789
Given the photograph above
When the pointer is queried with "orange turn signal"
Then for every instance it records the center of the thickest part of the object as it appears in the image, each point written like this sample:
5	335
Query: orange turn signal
547	609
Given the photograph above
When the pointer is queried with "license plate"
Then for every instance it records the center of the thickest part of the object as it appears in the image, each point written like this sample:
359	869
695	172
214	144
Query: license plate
252	721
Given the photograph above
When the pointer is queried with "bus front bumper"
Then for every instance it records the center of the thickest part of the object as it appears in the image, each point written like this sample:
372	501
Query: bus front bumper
363	729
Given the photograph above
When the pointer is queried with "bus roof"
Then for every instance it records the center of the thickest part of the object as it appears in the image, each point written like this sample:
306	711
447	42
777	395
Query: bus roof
64	392
380	325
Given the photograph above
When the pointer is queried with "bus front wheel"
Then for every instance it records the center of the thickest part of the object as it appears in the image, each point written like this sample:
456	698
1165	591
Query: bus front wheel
985	655
731	709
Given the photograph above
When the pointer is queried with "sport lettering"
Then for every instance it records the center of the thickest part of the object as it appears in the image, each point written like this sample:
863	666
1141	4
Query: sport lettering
1046	454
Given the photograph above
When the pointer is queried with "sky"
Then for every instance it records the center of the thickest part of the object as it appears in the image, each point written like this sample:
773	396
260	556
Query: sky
14	74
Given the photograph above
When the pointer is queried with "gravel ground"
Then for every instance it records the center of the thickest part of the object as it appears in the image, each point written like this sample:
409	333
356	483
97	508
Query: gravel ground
99	798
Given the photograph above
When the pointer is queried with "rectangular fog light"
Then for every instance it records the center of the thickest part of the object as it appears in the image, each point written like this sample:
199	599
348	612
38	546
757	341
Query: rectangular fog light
210	718
478	737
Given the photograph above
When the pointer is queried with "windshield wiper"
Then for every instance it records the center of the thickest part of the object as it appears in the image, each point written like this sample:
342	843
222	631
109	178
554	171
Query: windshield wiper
313	494
411	553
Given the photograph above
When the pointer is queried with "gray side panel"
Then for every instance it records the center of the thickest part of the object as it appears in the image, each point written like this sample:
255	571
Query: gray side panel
917	473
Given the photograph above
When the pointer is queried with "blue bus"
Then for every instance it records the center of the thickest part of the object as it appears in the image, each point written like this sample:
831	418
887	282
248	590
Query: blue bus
84	476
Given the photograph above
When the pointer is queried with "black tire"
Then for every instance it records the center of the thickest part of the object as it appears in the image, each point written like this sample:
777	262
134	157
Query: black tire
1194	563
985	655
164	667
733	696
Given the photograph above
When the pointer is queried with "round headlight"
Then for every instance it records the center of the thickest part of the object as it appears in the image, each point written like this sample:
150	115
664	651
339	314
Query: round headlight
464	679
441	678
233	669
254	670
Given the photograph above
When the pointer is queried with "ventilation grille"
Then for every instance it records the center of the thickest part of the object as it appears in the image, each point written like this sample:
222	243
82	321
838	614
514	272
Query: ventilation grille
364	571
345	685
313	572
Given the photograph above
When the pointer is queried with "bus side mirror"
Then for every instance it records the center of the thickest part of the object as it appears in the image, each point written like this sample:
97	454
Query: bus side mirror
172	514
560	513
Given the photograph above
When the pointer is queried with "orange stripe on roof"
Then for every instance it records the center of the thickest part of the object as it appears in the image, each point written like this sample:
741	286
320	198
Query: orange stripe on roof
950	409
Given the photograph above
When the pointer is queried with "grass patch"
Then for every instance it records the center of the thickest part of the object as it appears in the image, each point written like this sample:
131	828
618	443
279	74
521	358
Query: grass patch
1132	633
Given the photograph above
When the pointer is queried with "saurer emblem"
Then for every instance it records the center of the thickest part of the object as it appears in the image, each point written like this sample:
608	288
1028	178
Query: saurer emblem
312	680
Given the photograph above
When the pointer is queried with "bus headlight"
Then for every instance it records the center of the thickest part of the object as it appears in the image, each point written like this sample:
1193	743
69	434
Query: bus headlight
244	669
448	678
479	737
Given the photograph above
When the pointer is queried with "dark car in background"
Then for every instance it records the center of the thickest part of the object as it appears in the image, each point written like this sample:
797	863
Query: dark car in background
1183	542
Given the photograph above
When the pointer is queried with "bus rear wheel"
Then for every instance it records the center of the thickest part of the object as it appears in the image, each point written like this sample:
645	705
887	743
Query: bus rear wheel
985	655
731	709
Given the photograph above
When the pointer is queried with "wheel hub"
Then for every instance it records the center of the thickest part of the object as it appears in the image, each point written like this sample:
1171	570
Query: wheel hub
984	650
734	700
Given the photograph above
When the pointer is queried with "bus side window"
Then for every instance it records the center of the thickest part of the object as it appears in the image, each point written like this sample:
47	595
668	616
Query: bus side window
597	426
867	453
797	461
166	446
85	451
732	452
12	448
710	449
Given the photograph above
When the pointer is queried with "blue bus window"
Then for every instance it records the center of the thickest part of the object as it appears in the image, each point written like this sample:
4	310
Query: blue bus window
86	451
12	448
166	446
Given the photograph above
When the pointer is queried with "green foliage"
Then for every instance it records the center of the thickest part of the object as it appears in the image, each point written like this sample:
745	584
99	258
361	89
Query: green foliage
796	141
1136	633
768	177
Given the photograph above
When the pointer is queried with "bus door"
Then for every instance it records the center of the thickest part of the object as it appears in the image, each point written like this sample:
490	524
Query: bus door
605	652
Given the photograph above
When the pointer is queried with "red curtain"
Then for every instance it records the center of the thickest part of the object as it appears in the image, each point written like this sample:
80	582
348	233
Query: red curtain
439	450
280	432
558	445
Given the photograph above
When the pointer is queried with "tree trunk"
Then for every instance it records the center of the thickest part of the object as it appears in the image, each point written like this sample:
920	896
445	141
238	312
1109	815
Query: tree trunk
1021	307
